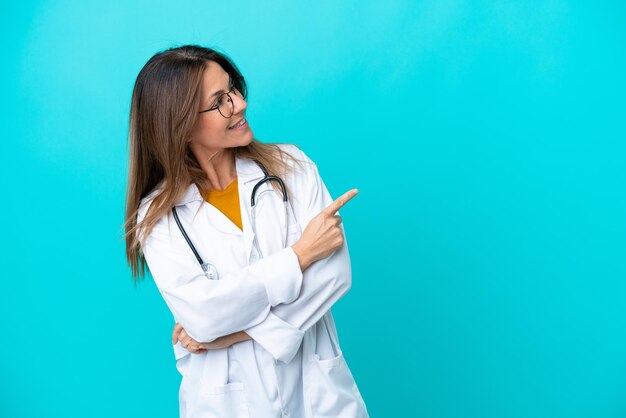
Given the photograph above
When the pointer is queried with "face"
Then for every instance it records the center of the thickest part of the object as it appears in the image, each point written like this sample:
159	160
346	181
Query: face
213	132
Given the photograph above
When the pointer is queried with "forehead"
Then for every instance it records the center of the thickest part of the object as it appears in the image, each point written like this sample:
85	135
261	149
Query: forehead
214	78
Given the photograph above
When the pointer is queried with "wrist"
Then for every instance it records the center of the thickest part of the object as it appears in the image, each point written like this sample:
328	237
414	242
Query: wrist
303	256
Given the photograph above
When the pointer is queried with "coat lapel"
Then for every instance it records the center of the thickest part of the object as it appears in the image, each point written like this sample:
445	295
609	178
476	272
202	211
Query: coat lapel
194	200
248	173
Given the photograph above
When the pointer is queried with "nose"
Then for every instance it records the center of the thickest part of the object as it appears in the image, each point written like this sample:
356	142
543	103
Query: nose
239	103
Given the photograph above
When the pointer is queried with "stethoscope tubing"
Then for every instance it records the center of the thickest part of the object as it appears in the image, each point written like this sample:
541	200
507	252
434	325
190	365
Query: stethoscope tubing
209	270
180	226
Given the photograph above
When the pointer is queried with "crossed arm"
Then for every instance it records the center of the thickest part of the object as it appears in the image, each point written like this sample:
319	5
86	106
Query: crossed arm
322	236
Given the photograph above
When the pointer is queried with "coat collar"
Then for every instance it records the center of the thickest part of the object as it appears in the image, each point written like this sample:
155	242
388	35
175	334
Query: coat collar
248	173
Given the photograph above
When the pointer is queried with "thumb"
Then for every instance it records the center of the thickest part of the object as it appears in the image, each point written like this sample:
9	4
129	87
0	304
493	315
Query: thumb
176	332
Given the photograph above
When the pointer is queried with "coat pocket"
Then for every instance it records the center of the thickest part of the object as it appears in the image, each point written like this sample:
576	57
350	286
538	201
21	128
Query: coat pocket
227	400
332	391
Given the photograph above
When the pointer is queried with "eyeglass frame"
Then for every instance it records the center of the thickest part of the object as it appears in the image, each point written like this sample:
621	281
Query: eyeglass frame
232	103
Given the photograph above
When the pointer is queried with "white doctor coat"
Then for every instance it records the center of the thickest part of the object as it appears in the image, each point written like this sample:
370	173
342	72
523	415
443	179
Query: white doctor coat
293	366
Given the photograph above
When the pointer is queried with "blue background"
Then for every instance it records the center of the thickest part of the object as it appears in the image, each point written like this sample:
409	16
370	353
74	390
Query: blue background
488	241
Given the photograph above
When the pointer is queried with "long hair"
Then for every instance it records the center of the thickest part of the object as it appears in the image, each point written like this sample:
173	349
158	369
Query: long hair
164	108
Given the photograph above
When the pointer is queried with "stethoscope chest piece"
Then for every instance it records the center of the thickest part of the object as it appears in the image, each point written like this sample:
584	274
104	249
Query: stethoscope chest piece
210	271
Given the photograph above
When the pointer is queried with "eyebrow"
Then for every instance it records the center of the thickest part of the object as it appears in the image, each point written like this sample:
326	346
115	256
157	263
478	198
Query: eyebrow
217	93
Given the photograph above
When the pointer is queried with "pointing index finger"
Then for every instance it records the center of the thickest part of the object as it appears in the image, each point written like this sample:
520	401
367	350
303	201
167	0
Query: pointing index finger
341	201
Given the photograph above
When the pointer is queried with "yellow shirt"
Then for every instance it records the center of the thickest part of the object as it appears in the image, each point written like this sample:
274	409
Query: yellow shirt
227	201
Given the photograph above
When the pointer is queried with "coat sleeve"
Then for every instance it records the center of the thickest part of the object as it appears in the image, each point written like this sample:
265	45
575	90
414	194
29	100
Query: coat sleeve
324	283
208	309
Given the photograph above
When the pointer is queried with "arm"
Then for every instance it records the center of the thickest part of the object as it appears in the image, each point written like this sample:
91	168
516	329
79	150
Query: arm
193	346
325	282
322	240
204	307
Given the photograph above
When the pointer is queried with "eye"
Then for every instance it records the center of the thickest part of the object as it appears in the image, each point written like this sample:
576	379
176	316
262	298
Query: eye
220	100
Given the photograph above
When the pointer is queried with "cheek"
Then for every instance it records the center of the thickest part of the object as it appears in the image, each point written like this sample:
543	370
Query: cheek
209	133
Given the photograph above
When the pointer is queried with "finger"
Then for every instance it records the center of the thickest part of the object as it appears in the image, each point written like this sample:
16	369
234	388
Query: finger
182	335
341	201
175	333
338	219
186	342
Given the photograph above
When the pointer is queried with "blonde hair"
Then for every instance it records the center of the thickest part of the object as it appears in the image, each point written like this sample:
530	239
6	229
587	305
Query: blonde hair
163	111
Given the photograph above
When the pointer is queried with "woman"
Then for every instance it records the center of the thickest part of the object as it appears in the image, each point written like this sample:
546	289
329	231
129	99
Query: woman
249	288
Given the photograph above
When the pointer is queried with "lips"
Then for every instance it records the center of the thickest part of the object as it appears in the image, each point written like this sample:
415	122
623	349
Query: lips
238	124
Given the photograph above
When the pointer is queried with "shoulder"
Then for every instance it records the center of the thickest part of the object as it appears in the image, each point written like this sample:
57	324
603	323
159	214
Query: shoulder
304	176
307	192
293	152
146	202
296	159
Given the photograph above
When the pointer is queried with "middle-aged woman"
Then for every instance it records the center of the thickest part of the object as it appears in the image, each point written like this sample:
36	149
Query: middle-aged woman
249	287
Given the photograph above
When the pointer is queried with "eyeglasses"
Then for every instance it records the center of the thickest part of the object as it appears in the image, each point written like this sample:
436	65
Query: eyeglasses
224	103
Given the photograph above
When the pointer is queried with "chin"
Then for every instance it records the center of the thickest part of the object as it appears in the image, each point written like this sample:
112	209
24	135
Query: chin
241	142
248	138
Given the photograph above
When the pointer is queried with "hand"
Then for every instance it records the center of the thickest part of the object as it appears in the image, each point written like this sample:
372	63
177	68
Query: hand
226	341
322	236
195	347
191	345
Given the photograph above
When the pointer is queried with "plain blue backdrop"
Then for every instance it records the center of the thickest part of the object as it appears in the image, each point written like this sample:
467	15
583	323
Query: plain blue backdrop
488	241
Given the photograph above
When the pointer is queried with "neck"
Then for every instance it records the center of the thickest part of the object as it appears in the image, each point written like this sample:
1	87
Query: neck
219	168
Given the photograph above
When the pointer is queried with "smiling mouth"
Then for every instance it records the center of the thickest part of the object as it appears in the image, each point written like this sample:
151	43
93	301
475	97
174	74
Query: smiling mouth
238	124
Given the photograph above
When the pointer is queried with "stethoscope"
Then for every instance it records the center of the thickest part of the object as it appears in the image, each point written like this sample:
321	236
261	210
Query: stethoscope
209	269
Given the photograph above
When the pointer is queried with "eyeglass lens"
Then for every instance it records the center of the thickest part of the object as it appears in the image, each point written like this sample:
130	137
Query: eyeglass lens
226	105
